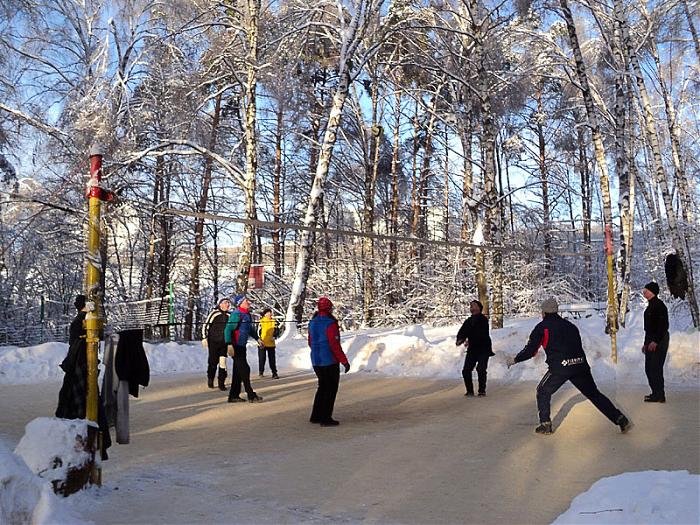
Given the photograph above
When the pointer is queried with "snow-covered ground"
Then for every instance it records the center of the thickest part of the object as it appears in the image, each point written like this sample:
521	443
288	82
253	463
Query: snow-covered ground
26	497
638	497
414	351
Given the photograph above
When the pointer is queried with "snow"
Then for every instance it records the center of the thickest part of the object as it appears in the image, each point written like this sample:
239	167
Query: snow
411	351
27	498
638	497
46	439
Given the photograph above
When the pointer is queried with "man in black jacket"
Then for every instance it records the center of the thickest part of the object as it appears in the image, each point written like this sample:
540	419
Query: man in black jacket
213	332
475	333
656	339
561	341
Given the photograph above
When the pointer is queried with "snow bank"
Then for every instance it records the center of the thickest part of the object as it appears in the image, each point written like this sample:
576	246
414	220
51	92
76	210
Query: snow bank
638	497
414	351
26	498
50	445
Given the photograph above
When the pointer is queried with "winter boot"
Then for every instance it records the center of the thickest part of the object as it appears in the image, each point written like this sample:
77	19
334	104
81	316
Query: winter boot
255	399
655	399
624	424
210	382
545	427
482	394
275	376
222	380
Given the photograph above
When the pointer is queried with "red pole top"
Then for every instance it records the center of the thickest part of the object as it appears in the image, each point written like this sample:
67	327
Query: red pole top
93	188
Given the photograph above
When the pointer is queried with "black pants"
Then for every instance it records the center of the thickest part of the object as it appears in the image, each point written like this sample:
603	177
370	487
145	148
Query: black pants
654	367
481	362
241	374
328	380
216	350
262	352
581	379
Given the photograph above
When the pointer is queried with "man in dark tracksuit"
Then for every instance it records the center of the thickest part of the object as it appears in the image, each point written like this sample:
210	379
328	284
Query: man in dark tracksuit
238	329
561	341
326	354
213	331
475	331
656	339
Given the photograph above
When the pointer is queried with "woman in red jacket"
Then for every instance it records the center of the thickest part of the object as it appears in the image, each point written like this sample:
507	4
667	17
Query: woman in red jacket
326	354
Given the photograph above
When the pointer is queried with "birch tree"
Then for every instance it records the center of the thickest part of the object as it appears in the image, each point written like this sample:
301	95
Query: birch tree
357	35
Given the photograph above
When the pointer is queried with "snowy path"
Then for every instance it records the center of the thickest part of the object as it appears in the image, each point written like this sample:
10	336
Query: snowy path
408	451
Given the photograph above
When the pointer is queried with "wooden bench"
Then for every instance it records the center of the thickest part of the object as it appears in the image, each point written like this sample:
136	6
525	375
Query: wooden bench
579	310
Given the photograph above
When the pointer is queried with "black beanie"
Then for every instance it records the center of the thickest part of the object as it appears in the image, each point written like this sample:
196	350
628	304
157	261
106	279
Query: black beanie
652	287
79	302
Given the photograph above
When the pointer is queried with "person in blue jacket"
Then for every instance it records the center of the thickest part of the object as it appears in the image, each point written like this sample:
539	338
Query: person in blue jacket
566	359
238	329
326	355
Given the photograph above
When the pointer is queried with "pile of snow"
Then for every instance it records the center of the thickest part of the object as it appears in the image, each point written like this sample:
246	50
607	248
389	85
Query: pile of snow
412	351
638	497
51	445
27	498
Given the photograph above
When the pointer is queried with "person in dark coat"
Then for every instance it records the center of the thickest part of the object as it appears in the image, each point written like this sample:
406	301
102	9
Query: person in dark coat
656	340
71	397
326	355
561	341
213	332
238	329
474	333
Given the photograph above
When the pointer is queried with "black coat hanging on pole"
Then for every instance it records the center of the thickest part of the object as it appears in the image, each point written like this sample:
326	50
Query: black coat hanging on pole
676	277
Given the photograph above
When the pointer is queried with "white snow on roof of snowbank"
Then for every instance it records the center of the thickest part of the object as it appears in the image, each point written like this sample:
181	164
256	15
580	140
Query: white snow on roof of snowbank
638	497
27	498
413	351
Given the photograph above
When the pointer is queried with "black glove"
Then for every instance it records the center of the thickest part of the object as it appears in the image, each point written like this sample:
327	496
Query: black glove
459	342
347	367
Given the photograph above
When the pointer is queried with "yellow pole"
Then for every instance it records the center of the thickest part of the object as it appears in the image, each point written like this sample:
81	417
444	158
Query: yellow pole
93	319
612	295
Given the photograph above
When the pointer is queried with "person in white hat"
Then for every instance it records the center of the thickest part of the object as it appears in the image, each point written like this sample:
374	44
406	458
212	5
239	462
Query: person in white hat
566	359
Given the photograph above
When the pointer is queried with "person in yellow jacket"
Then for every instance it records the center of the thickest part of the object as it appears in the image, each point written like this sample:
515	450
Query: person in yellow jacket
266	348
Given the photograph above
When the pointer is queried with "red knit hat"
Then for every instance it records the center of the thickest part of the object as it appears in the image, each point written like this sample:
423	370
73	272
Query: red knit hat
324	304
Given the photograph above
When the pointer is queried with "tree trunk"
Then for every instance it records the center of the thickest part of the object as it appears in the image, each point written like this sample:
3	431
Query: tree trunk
492	212
602	166
301	274
393	247
677	237
446	189
370	186
622	167
586	201
469	212
543	179
276	187
193	294
251	144
691	26
674	134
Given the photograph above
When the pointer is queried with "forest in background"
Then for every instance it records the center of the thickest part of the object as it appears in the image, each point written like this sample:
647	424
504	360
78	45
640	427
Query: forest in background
531	128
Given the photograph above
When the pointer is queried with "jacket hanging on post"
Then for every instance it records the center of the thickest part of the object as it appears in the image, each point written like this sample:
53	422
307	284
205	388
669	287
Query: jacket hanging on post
130	362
